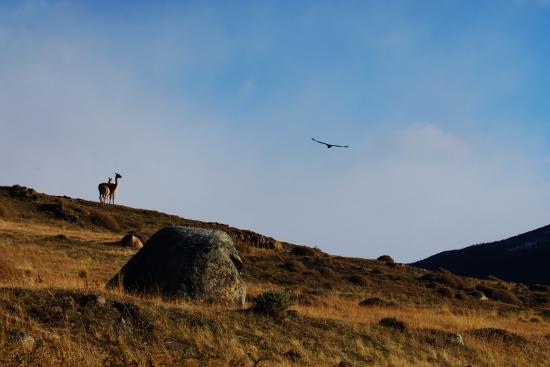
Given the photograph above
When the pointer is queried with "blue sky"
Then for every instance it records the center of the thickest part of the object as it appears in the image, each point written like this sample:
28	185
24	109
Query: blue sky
207	109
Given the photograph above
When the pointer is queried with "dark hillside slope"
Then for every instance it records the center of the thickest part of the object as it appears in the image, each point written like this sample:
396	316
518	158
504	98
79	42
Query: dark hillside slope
524	258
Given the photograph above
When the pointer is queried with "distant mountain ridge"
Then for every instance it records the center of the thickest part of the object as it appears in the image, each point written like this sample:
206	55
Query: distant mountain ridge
523	258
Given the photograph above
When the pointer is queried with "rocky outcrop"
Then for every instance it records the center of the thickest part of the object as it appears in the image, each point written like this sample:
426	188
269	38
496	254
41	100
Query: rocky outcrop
257	240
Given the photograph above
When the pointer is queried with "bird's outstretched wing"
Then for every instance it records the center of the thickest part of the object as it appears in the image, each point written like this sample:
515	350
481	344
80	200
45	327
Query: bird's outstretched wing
320	142
330	145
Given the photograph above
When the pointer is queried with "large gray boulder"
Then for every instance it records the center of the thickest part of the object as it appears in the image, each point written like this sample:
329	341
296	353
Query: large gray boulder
186	262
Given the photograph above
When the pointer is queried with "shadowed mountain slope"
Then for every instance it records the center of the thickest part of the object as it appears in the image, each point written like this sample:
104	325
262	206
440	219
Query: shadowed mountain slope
524	258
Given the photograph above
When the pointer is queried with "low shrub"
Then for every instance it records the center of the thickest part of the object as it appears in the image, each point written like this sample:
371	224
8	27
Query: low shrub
293	355
497	294
294	266
387	259
303	251
307	300
59	211
541	298
393	323
461	296
272	303
376	302
495	279
497	334
326	271
278	246
105	221
358	280
539	288
433	285
22	192
445	279
445	292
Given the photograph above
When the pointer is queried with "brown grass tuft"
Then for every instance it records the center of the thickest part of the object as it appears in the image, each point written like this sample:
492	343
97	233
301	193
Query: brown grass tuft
446	279
106	221
303	251
8	272
4	214
358	280
377	302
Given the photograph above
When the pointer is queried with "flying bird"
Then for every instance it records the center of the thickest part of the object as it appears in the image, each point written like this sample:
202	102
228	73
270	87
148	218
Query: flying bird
330	145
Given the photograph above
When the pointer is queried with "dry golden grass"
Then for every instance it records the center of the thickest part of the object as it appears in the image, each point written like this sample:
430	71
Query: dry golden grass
444	318
55	255
213	335
26	228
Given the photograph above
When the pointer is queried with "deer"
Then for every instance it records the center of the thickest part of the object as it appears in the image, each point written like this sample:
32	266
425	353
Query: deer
113	187
104	191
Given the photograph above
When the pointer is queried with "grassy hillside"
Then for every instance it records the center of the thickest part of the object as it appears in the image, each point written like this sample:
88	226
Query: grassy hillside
56	254
523	258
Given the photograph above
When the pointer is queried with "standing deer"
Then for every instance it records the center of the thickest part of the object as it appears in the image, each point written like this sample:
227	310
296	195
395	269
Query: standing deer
104	191
113	187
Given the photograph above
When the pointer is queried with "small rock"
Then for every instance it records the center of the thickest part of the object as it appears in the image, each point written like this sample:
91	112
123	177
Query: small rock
91	300
100	300
478	295
131	241
455	339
